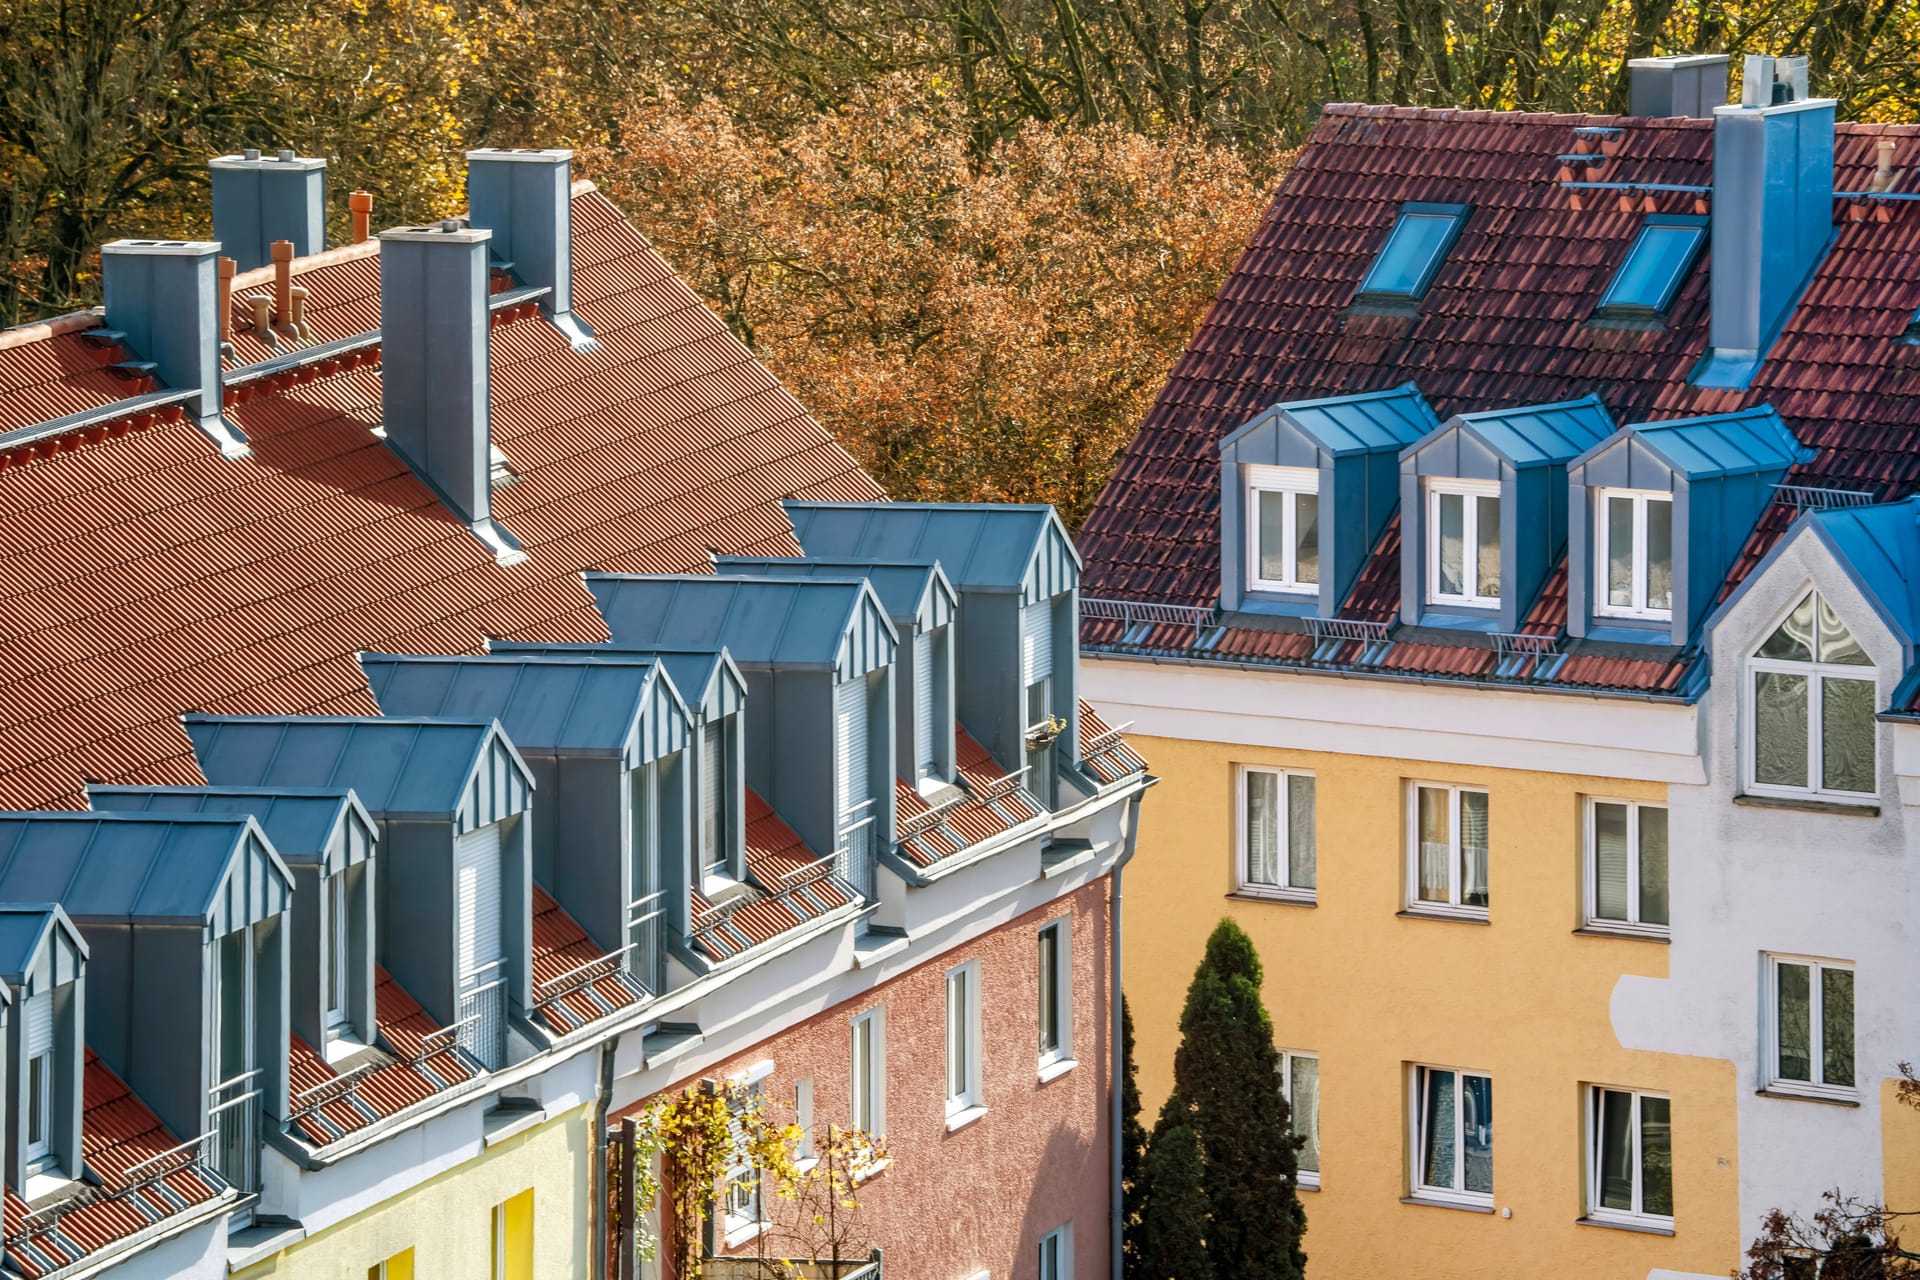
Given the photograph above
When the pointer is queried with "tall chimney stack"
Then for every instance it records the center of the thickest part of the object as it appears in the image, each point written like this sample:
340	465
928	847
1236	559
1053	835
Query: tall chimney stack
164	296
525	197
259	199
1690	86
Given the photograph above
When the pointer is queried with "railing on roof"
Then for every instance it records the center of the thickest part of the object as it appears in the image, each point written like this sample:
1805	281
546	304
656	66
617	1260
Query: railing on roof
785	887
1005	785
343	1087
1103	740
921	823
583	975
135	1180
1138	617
1808	497
792	1269
435	1043
1331	635
1514	650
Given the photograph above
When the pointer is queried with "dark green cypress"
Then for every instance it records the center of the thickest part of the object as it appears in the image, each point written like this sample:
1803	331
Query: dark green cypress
1173	1230
1133	1150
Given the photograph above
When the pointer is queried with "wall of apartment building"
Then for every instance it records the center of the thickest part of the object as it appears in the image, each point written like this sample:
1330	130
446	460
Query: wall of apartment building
447	1220
1039	1159
1827	883
1521	996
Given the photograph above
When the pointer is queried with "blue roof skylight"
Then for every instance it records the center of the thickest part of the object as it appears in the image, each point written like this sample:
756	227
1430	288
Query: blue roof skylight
1414	250
1655	267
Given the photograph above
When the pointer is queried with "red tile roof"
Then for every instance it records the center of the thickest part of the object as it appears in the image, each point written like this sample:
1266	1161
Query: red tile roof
1504	324
120	1140
990	801
146	575
791	885
53	369
574	982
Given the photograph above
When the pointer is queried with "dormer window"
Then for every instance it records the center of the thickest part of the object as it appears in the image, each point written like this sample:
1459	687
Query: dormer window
338	951
1463	543
1414	251
1655	267
713	782
37	1032
1284	529
930	662
1634	541
1812	704
853	779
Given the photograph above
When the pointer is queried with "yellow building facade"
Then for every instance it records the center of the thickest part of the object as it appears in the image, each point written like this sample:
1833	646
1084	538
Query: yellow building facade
1375	991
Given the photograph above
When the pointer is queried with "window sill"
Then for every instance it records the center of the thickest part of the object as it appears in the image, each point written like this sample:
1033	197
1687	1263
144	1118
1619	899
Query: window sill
1432	1202
1285	897
961	1119
868	1172
1787	1093
1055	1069
807	1165
1445	917
1625	934
1650	1227
745	1233
1301	1183
1809	804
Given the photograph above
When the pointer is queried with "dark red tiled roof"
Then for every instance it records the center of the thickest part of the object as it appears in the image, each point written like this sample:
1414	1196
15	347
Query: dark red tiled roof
146	575
1505	323
792	885
574	982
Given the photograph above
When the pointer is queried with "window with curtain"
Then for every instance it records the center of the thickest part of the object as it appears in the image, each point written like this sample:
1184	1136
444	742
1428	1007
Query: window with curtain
1811	1027
1453	1135
1627	867
1633	541
1300	1082
1629	1157
1447	850
1463	543
1283	528
1277	833
1811	703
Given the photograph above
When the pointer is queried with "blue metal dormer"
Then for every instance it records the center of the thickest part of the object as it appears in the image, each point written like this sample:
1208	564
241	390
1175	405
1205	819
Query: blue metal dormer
454	884
605	739
43	966
1660	511
1483	511
1306	490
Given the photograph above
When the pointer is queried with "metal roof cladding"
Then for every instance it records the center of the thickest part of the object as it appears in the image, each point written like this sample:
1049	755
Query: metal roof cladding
1880	546
707	678
574	704
1536	435
762	622
980	546
415	767
25	929
914	593
300	821
1371	422
1507	322
144	868
1722	444
146	576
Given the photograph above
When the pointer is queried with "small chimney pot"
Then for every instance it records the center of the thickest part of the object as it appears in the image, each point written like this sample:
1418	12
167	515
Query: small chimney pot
226	268
286	155
282	251
251	153
361	203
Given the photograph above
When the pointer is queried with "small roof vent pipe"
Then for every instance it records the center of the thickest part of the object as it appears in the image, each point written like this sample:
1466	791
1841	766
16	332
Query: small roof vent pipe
1883	172
1690	86
257	200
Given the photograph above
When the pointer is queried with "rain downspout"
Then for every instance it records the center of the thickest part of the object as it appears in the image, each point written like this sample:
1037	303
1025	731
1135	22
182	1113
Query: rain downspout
1117	1044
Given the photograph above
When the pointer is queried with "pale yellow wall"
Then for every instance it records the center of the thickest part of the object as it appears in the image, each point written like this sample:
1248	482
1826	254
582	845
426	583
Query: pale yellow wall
1521	997
448	1221
1900	1157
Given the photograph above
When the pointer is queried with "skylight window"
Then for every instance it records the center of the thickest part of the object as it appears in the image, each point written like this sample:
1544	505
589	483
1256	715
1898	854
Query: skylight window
1414	251
1655	267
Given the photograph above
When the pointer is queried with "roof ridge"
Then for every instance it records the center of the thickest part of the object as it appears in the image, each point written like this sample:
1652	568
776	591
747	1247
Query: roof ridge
21	335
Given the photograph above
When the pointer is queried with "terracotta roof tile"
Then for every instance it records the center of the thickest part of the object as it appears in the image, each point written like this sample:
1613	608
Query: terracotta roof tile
790	885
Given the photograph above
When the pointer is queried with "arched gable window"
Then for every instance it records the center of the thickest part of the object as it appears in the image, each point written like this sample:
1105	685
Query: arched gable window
1812	706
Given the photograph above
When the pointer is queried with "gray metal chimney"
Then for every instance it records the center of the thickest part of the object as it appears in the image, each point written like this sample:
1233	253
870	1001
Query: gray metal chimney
525	197
259	199
163	296
1772	213
435	367
1681	86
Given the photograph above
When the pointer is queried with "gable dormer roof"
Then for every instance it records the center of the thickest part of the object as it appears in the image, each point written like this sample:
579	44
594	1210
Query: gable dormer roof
916	594
981	546
40	947
306	824
794	623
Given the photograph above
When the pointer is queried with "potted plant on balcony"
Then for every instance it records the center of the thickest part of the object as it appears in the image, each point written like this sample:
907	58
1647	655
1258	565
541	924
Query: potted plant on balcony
1042	735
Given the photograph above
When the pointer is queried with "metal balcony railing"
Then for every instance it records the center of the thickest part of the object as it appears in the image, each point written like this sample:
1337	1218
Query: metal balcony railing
1140	617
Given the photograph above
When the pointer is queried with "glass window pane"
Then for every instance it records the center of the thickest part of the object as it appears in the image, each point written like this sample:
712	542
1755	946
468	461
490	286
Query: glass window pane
1049	999
1793	1017
1780	729
1305	1106
1437	1103
1620	552
1616	1149
956	1034
1794	638
1659	553
1263	827
1846	735
1654	267
863	1075
37	1077
1300	852
1610	862
1476	1132
1306	538
1836	1026
1473	848
1415	242
1487	534
1653	866
1452	536
1836	642
1436	845
1656	1156
1273	535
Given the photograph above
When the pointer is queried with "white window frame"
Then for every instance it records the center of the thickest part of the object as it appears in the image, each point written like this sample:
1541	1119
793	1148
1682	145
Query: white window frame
966	1098
1590	873
1416	1096
1602	528
339	939
1817	673
1285	890
1061	1238
803	1120
740	1227
41	1151
1292	482
1635	1217
1309	1178
1816	1031
1468	491
1456	889
1059	1059
875	1085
